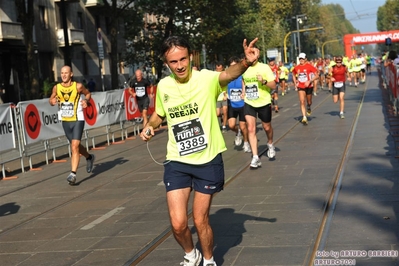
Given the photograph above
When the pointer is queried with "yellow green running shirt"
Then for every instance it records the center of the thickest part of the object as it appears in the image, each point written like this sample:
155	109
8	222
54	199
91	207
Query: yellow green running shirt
257	94
190	109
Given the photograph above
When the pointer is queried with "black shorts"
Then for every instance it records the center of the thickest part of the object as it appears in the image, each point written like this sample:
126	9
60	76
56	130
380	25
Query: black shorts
264	113
234	112
206	178
73	129
336	91
308	91
143	103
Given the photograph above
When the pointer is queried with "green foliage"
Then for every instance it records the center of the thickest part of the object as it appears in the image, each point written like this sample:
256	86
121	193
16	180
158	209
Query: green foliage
388	19
222	25
47	88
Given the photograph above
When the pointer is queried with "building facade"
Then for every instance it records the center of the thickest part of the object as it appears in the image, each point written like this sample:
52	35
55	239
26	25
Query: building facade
77	30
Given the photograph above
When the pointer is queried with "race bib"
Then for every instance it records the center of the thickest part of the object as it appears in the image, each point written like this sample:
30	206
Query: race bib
140	91
235	95
302	77
66	109
338	84
252	92
190	137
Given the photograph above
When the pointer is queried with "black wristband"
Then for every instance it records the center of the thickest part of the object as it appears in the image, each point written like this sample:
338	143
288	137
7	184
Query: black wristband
264	82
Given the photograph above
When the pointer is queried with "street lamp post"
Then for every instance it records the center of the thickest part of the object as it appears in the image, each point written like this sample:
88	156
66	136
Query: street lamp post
296	31
322	46
297	18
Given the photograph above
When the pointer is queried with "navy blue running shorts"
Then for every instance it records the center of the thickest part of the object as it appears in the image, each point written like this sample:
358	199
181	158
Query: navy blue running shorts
206	178
73	129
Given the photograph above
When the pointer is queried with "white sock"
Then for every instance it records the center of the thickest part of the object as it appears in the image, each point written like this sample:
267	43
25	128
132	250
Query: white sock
255	156
191	254
209	261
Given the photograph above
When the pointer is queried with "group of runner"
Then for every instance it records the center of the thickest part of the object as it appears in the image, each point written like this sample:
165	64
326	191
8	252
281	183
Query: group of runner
246	98
332	74
358	66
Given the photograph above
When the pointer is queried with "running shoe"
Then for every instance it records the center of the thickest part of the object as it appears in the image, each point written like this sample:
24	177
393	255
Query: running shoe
90	163
71	179
255	163
271	152
192	262
238	140
276	110
304	121
211	264
315	93
342	115
247	147
282	94
309	111
224	129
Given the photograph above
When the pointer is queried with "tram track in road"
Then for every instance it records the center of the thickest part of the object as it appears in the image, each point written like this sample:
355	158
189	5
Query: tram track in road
330	205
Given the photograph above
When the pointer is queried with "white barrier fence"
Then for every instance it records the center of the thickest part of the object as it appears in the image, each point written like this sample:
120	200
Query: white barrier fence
33	127
390	75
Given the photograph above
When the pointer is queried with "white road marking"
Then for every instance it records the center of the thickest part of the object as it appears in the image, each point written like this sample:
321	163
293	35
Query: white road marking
102	218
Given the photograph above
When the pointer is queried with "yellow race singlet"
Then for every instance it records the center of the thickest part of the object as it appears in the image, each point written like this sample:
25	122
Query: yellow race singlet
69	99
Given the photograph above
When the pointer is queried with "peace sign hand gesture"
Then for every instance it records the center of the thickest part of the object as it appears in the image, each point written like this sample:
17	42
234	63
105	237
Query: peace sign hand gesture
251	52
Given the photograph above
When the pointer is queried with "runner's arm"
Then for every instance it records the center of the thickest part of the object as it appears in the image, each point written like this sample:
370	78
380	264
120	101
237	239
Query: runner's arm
233	72
53	97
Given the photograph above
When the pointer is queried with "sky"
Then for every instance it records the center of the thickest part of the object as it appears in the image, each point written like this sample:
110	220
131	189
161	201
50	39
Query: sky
361	13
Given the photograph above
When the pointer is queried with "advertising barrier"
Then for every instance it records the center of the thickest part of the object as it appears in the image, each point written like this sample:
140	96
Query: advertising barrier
105	108
392	80
37	122
7	128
